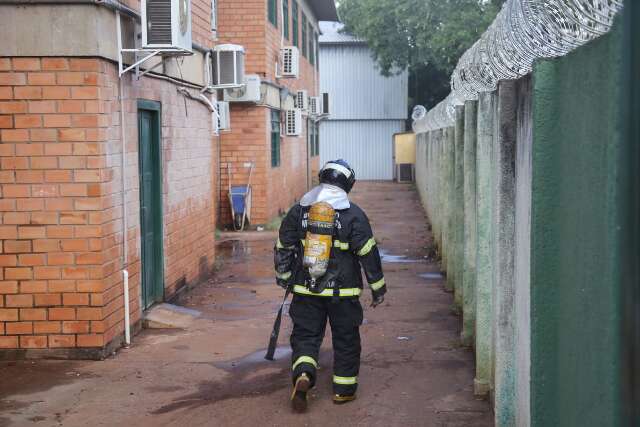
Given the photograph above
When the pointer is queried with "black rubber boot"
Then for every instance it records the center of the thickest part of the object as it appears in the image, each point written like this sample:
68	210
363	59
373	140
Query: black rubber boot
339	399
299	394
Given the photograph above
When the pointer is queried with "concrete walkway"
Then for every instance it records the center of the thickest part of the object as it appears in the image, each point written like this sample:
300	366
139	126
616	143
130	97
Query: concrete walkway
213	374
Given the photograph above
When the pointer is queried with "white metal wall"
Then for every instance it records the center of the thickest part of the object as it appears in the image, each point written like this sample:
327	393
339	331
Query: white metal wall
356	88
366	144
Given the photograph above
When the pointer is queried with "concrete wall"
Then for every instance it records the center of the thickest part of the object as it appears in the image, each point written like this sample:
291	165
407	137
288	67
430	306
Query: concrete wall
551	238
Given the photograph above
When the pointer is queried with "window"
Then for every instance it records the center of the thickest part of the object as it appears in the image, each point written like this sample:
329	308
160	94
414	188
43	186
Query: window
285	18
214	16
317	46
273	12
275	138
312	53
294	23
314	139
304	36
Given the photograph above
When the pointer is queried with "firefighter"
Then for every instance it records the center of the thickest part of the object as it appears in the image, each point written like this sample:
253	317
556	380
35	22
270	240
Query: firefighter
327	287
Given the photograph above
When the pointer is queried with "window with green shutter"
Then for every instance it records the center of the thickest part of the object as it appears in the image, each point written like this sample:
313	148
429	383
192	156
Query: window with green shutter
304	35
275	138
317	46
285	18
312	51
294	23
273	12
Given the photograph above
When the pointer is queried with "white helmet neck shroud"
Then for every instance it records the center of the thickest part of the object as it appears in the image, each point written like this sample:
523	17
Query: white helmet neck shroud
335	196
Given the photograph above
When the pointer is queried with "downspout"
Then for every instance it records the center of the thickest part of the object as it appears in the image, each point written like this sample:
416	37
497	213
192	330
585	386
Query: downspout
125	245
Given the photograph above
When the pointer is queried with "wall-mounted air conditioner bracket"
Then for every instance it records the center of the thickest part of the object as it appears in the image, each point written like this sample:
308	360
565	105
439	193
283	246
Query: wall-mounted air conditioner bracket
142	55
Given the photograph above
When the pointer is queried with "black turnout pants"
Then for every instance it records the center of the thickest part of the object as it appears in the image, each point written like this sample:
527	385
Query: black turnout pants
309	314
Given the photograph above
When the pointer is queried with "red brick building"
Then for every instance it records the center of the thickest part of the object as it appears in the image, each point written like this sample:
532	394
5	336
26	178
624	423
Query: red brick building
284	166
63	223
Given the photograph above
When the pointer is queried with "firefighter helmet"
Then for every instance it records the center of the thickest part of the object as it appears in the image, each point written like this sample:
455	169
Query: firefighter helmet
338	173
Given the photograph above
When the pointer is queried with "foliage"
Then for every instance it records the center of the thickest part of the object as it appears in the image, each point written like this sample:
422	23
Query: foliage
425	36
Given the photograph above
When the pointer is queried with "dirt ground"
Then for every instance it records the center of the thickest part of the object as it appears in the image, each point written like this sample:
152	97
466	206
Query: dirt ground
413	372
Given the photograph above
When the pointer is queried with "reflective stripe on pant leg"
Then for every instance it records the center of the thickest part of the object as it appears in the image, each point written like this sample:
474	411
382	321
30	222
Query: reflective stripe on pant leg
345	380
304	359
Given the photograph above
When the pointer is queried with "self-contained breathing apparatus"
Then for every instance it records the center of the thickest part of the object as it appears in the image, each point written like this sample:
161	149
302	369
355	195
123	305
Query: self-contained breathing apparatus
317	245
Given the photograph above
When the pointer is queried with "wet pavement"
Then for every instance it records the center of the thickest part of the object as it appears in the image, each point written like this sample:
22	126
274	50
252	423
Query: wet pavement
413	371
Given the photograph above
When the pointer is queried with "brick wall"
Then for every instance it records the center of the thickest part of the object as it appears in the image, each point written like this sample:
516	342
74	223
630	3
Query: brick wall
61	201
274	189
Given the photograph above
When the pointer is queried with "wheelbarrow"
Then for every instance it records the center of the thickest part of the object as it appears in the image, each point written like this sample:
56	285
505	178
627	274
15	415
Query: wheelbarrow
240	201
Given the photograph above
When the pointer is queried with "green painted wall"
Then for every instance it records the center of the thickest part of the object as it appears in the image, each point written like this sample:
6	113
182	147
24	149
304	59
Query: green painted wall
575	274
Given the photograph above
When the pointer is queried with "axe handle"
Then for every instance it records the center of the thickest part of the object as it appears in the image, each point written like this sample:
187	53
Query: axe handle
273	340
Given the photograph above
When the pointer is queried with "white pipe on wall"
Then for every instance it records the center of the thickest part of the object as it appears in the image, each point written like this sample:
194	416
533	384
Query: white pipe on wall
125	246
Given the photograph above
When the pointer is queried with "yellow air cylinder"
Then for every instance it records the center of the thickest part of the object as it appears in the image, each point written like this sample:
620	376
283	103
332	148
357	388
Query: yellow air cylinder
319	239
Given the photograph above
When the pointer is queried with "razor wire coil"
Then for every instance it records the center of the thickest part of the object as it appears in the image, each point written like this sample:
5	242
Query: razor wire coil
522	32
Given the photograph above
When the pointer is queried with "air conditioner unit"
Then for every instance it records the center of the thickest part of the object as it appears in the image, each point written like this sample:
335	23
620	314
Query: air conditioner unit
290	60
227	66
248	92
405	172
224	117
166	24
315	105
293	124
302	100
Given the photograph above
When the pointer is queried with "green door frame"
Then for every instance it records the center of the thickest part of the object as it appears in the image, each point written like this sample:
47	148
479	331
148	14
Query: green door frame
156	293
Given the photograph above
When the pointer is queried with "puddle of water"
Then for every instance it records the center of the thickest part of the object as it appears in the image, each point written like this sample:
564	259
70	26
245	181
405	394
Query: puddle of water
386	257
253	359
431	276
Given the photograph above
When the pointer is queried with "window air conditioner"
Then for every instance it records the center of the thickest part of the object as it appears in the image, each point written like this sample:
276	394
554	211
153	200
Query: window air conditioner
227	65
248	92
293	126
166	24
302	100
224	117
290	60
315	105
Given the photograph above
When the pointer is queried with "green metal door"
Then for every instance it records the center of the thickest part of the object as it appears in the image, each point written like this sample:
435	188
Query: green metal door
150	202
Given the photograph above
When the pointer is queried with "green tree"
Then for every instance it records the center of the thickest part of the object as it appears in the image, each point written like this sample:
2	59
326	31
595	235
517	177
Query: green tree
427	37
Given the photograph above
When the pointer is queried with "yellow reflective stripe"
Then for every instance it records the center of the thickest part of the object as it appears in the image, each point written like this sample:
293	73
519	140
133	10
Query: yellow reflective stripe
345	380
345	292
304	242
304	359
377	285
279	245
367	247
283	276
342	245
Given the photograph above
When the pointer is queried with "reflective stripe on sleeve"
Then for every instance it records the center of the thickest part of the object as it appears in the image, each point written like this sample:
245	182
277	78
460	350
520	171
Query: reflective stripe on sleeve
304	359
283	276
345	380
344	292
377	285
279	245
342	245
367	247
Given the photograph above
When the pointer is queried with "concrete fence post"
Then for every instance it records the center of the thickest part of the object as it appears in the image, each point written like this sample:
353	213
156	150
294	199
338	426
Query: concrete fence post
469	244
458	206
503	199
522	261
484	260
450	146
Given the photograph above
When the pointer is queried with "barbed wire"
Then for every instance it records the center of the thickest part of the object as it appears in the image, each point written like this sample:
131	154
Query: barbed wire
523	31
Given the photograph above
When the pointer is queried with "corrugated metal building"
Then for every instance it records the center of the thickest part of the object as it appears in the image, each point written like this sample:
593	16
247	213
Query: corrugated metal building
365	108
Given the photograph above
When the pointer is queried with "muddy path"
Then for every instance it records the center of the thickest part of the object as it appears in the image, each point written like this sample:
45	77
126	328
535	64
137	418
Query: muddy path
213	374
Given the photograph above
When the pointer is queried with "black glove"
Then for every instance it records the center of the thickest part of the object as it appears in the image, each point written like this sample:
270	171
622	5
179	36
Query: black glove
377	300
284	283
